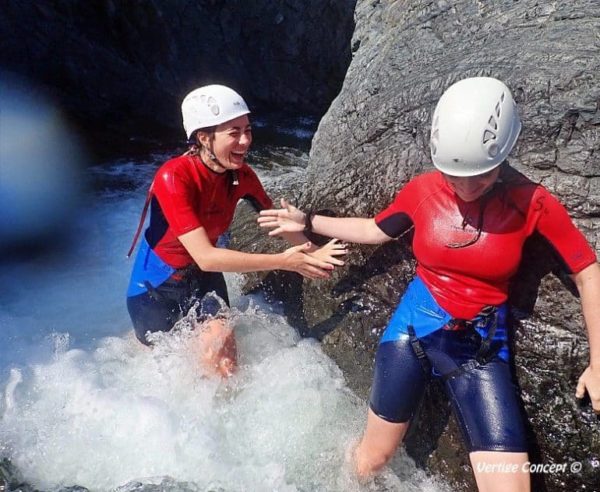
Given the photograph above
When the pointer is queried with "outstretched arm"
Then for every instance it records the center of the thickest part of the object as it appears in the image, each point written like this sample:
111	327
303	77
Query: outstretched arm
588	284
289	219
212	259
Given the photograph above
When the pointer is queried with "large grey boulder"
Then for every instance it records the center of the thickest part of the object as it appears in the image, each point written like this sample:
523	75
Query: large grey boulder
375	137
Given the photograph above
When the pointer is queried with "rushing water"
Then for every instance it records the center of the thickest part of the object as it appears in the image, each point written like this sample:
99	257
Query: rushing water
82	402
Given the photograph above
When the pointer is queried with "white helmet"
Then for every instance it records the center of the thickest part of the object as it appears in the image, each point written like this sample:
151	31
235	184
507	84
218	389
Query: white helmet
211	105
475	126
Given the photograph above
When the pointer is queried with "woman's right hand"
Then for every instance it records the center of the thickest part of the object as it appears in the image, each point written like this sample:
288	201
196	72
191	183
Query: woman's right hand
296	259
285	219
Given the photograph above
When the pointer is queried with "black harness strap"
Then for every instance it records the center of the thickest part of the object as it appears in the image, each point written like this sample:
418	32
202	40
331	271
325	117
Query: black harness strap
418	350
486	352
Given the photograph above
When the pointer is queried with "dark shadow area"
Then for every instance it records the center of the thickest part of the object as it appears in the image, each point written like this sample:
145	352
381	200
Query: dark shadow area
538	260
429	424
120	70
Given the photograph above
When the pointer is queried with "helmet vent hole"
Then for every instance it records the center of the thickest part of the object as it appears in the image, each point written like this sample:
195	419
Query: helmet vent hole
498	107
493	123
488	135
502	97
493	150
433	148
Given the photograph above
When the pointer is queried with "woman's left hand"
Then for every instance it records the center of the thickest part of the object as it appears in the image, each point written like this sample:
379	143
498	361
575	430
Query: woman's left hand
329	251
590	381
285	219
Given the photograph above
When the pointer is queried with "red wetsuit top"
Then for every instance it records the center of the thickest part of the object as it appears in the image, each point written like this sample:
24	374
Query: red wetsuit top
465	279
186	194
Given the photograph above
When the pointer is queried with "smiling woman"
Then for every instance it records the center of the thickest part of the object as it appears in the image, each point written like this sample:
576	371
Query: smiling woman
470	188
193	199
471	219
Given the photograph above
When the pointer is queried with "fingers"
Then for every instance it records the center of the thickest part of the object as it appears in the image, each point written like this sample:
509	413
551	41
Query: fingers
271	213
587	382
580	391
313	273
334	261
335	250
267	220
300	248
318	262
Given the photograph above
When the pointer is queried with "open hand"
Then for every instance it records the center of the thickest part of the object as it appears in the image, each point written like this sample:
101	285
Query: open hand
285	219
329	251
296	259
590	381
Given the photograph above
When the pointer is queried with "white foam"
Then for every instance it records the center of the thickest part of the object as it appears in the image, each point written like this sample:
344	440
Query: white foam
83	403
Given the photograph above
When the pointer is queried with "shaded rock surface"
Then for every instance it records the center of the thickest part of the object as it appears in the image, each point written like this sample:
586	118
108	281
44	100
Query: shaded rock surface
375	137
123	68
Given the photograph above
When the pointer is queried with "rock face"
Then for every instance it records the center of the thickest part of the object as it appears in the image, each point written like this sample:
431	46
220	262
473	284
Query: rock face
375	137
126	66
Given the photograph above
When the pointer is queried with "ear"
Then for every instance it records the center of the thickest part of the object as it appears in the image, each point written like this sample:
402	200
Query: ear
203	139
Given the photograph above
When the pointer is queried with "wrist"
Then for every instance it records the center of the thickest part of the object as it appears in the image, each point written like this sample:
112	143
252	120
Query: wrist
280	261
308	221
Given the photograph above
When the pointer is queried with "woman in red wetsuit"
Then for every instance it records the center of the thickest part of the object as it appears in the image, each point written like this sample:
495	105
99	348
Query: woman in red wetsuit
193	199
471	218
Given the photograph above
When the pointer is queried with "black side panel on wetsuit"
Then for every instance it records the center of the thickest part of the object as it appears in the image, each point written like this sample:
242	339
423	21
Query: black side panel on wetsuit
395	225
161	307
253	202
158	224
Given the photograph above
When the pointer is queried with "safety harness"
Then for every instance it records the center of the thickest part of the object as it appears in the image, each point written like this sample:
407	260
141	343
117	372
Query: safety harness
487	350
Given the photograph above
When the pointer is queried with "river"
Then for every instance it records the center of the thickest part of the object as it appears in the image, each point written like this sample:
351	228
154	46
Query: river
83	403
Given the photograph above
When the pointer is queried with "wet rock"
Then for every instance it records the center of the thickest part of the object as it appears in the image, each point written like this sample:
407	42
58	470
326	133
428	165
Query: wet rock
122	68
375	137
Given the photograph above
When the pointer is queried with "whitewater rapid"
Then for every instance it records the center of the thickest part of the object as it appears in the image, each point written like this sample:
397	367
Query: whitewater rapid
83	403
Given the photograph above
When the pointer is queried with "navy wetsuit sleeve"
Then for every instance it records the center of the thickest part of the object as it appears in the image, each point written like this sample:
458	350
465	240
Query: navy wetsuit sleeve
555	225
176	196
397	218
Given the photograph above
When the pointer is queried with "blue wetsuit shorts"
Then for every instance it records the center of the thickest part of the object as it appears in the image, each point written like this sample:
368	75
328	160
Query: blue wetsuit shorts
160	308
158	295
483	397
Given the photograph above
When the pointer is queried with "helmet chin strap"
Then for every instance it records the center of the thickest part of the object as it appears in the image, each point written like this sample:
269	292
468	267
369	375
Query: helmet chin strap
213	158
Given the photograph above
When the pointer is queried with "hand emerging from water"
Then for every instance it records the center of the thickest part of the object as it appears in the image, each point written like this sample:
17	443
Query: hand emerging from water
285	219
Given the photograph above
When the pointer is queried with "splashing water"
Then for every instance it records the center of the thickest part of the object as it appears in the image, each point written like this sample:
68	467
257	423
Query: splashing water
83	403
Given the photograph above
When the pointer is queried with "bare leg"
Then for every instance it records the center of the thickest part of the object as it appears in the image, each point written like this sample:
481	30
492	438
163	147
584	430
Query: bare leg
216	348
378	444
500	472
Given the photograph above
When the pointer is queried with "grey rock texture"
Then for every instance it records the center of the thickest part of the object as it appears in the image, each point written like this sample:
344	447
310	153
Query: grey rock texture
124	67
375	137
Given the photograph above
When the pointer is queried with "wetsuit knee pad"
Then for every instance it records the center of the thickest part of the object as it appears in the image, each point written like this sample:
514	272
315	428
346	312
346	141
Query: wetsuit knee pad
398	381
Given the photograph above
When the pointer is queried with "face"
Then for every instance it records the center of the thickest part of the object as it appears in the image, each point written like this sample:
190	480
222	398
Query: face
471	188
230	142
